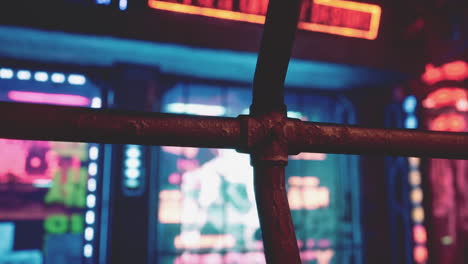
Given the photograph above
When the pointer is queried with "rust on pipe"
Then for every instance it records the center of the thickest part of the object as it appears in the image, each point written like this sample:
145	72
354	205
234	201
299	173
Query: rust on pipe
269	154
279	238
331	138
269	157
63	123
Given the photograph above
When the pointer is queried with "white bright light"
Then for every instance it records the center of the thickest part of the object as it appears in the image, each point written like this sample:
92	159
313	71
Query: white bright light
76	79
132	173
23	75
93	153
92	185
196	109
133	163
6	73
294	114
88	250
89	233
123	5
41	76
133	152
58	77
90	217
91	200
96	102
462	105
92	169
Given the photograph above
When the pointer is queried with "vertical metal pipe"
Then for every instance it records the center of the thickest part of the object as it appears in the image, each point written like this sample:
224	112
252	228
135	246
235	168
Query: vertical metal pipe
275	52
279	239
271	156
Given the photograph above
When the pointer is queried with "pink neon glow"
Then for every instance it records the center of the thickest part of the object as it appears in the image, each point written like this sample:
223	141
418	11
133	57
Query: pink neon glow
420	254
48	98
456	70
445	97
419	234
448	122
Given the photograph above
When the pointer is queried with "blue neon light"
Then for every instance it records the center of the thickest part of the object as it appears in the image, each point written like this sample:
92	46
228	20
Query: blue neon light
103	2
409	104
179	59
122	5
411	122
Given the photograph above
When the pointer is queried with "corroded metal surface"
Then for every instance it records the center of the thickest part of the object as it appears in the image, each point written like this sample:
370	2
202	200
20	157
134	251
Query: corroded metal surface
268	146
267	141
266	134
61	123
246	133
330	138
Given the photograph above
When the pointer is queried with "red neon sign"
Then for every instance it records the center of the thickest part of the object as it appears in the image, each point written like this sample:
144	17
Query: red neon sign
345	18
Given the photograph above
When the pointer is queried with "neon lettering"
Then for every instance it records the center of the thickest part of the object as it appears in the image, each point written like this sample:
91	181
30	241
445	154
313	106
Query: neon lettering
339	17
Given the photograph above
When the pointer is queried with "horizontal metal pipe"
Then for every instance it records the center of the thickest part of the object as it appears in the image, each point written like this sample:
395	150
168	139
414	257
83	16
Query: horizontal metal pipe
330	138
62	123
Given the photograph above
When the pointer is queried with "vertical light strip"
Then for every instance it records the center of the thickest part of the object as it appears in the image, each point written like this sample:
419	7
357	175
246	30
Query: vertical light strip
91	197
420	253
132	168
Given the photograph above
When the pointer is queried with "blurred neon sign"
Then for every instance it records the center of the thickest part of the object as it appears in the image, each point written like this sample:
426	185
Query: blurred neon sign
48	98
456	71
447	96
305	193
338	17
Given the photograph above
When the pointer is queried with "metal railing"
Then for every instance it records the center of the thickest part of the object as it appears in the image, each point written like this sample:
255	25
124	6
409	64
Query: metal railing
267	134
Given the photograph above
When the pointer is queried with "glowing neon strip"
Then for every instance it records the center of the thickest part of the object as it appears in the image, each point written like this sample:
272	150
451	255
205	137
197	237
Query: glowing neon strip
371	34
48	98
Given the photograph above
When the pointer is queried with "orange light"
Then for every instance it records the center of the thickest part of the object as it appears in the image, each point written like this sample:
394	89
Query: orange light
364	23
374	11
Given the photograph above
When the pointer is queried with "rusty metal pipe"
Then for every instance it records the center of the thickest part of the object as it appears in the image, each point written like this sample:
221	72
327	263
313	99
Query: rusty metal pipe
279	238
273	57
62	123
331	138
269	156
